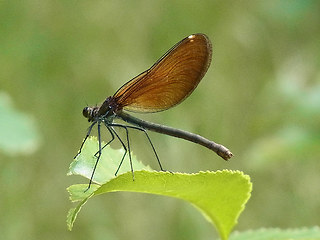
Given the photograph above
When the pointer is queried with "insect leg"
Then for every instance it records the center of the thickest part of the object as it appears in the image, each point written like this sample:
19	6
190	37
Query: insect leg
153	148
123	145
147	135
85	139
128	143
98	157
112	138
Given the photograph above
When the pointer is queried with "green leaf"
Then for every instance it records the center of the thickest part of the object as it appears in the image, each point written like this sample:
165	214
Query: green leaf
107	166
220	196
278	234
19	134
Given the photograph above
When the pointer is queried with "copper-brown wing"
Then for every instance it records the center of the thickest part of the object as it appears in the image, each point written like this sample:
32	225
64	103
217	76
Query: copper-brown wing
170	80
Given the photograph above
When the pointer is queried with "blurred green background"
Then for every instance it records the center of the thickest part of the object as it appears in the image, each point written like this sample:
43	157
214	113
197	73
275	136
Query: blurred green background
260	98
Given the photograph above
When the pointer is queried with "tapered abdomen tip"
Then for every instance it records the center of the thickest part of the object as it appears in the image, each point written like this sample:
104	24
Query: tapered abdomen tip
224	152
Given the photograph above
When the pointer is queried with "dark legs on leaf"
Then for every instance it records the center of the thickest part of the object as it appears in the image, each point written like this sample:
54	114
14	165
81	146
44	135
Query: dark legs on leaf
125	149
98	157
147	135
112	138
113	133
85	139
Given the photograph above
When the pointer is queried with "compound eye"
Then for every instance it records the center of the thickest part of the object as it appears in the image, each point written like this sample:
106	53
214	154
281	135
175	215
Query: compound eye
85	112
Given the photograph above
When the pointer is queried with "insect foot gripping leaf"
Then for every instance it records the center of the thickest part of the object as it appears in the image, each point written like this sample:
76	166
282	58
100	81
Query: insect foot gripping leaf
220	196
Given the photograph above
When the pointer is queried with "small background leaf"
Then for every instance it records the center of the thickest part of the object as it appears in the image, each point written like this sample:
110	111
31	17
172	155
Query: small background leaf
19	134
278	234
